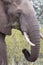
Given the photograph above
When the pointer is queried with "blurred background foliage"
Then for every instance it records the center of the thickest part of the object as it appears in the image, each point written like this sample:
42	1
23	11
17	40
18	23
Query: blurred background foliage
38	6
16	42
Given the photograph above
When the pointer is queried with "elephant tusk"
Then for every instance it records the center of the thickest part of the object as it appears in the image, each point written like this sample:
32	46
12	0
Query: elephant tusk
28	40
41	35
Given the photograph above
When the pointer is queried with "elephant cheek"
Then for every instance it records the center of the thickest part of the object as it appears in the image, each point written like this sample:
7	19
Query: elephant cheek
12	9
24	28
24	24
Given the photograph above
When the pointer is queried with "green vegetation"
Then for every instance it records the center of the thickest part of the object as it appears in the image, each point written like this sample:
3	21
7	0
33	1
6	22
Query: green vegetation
15	44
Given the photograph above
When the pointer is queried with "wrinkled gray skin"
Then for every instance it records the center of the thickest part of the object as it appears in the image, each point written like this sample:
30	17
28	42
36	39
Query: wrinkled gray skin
25	16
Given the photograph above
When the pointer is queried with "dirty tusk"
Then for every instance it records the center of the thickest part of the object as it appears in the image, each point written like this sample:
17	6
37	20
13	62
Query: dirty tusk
41	35
26	37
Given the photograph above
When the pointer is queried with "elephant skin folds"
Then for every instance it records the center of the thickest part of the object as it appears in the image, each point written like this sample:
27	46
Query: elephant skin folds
4	28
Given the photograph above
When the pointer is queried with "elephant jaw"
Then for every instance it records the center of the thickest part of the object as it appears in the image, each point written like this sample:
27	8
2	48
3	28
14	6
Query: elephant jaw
41	35
27	39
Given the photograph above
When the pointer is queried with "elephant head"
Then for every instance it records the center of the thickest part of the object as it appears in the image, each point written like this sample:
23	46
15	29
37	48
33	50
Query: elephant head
29	26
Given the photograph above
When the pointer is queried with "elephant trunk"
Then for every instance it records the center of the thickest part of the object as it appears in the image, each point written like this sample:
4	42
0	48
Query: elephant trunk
35	39
34	36
33	55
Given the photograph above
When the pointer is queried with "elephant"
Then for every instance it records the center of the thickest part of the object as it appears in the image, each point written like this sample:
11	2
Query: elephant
22	13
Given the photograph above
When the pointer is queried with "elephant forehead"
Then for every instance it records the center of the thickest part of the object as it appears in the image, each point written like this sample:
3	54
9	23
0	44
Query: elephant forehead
26	7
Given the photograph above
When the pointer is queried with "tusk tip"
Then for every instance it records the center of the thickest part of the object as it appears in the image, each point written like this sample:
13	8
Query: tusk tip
32	44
